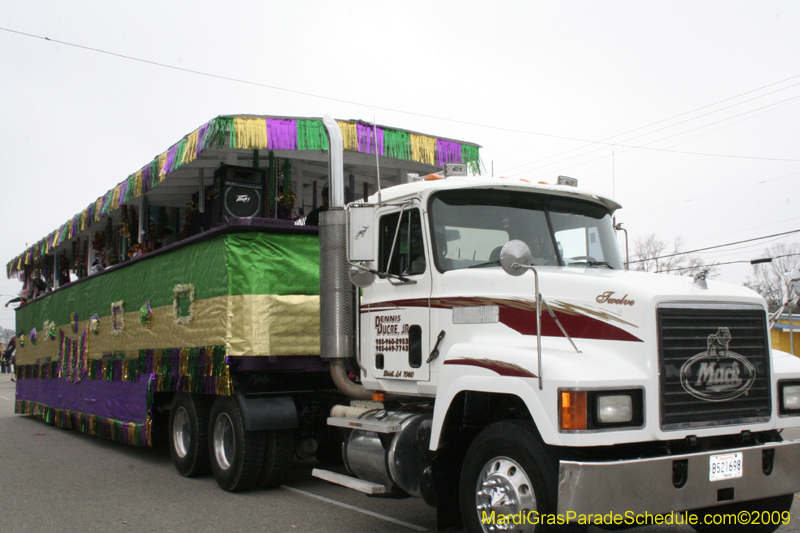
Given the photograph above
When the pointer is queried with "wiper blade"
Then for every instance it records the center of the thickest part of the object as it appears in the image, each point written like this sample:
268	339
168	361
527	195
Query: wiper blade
488	263
592	264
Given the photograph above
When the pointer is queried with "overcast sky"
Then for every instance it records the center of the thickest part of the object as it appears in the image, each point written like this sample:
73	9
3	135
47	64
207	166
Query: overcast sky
686	112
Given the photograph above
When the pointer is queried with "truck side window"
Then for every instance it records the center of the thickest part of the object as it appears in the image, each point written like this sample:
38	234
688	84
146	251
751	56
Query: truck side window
408	258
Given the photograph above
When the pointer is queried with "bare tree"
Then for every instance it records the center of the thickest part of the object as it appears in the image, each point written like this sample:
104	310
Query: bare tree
772	280
651	254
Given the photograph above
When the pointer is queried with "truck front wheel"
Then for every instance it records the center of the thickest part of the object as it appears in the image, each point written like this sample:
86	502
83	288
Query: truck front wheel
188	434
237	455
756	516
508	479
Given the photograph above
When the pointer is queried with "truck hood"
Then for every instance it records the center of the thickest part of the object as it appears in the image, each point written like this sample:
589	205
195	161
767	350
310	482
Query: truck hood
595	303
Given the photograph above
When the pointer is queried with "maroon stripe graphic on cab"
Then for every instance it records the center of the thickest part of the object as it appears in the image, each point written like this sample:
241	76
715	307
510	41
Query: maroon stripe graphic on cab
502	368
520	315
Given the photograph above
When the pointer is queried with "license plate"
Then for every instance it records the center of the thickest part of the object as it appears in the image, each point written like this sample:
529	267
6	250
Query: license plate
728	466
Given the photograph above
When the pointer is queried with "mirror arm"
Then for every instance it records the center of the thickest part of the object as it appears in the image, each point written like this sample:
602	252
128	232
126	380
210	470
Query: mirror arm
538	317
539	301
383	275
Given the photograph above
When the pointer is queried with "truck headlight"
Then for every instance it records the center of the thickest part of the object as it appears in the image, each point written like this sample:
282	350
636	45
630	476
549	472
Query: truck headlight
600	410
614	408
790	398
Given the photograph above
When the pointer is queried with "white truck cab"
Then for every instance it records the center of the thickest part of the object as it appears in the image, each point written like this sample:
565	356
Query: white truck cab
533	394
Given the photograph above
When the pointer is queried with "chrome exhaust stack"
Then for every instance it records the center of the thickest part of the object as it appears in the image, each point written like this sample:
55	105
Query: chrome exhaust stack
336	294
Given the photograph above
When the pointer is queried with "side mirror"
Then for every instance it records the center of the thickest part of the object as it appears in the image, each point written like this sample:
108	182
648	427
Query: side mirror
361	233
362	275
515	255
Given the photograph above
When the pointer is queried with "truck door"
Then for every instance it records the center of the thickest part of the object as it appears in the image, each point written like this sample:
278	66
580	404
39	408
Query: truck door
395	310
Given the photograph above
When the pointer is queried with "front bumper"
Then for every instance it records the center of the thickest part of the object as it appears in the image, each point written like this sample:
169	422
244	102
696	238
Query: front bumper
646	485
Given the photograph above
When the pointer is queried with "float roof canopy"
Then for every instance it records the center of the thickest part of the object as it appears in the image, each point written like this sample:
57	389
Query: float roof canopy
173	176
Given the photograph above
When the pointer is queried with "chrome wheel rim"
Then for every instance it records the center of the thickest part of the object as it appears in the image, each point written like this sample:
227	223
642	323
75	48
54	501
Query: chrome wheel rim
181	432
224	441
505	489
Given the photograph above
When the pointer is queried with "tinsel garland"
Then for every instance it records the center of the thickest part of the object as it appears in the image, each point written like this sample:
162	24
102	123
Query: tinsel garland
118	317
469	155
200	370
49	328
397	144
448	152
349	135
69	365
423	148
311	135
282	134
190	154
145	314
194	370
134	433
181	291
251	133
366	138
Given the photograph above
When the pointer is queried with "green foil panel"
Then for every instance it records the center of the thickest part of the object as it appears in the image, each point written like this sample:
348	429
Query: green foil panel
273	263
234	264
152	278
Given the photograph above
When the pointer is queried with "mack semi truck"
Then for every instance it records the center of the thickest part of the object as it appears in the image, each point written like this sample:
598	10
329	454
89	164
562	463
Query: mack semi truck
473	341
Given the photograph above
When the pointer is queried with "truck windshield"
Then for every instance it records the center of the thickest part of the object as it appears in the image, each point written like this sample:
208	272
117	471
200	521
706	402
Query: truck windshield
470	227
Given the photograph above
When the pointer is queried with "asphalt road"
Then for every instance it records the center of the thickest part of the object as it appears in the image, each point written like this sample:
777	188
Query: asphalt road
60	480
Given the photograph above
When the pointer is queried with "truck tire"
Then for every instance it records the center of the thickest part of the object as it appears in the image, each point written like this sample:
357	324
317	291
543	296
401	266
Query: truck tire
279	455
237	456
508	471
188	434
763	516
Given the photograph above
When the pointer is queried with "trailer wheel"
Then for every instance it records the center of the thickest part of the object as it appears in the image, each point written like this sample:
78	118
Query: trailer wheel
278	457
508	472
188	434
762	516
236	455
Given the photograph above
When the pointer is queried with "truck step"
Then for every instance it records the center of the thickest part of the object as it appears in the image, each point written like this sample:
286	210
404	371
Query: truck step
390	425
360	485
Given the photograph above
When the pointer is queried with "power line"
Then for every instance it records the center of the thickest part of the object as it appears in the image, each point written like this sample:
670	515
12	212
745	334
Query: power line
713	247
748	229
687	200
673	125
727	263
646	146
382	108
766	109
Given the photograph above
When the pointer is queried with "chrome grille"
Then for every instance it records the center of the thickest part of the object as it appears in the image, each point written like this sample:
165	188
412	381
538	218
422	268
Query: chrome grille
697	341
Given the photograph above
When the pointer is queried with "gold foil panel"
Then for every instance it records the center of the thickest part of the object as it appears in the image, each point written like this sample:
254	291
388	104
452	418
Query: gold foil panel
255	325
273	325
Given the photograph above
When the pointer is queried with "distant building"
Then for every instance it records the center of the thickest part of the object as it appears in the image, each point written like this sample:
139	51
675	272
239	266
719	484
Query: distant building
782	332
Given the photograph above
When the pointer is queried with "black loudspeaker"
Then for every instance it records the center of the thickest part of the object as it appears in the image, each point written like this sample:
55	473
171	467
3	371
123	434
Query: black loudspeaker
239	192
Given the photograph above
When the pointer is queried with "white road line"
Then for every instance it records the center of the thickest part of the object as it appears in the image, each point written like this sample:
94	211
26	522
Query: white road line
356	509
3	397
